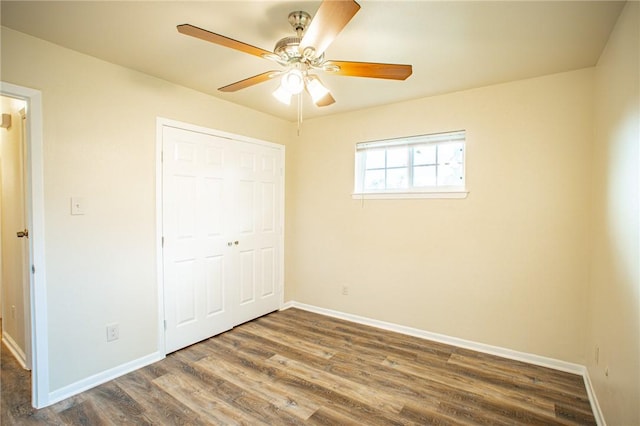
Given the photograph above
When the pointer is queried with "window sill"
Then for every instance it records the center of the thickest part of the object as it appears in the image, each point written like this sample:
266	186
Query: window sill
408	195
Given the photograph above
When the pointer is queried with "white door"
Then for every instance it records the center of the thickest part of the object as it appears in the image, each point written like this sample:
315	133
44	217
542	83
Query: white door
221	229
258	231
15	245
197	261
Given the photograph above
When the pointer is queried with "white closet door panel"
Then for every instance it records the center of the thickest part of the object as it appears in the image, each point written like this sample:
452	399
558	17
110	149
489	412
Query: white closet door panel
259	236
185	188
268	211
247	278
214	288
185	280
268	272
246	196
213	203
196	257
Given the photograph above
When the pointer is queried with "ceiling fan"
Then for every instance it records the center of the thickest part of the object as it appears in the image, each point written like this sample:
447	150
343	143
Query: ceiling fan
303	55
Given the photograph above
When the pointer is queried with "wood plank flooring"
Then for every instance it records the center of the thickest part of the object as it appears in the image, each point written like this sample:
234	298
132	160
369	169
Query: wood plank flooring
295	367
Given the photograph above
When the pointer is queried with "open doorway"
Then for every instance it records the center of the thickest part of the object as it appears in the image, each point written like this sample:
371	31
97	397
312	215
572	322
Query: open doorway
28	121
14	247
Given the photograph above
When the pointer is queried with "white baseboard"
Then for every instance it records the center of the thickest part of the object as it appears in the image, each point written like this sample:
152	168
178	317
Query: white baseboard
100	378
15	349
567	367
105	376
593	399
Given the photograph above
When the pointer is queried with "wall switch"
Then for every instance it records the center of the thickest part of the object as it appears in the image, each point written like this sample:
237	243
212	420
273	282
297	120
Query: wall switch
345	290
77	205
113	332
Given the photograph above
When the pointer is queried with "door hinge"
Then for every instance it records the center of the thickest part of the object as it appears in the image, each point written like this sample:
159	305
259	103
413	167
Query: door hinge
162	242
165	325
33	269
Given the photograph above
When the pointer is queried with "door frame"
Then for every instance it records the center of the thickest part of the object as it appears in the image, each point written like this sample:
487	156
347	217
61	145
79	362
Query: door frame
166	122
34	200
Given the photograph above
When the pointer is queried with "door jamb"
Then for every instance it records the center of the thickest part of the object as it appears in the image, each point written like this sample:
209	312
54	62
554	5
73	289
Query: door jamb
34	174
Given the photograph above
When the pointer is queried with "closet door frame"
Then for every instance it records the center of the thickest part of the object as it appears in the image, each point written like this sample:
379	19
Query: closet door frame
161	123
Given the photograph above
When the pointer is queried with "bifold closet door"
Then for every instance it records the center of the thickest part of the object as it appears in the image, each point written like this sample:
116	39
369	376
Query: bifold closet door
258	222
196	259
222	236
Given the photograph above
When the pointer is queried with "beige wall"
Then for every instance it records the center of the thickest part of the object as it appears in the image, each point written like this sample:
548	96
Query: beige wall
507	266
99	143
614	304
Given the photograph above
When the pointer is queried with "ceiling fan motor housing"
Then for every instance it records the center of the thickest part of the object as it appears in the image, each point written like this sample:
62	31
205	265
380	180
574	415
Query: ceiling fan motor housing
287	48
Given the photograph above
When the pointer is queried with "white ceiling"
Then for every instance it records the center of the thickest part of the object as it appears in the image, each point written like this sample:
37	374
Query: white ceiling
452	45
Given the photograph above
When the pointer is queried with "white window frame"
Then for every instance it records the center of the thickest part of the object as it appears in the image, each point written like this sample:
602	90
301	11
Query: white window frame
457	191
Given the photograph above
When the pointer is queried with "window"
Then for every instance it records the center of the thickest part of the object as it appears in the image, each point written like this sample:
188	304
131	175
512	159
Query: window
427	166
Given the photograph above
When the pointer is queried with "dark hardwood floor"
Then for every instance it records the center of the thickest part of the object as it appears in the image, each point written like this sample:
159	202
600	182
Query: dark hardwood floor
296	367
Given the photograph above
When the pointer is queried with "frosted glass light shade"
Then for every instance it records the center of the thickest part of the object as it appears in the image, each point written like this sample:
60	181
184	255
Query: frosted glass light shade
293	81
283	95
316	89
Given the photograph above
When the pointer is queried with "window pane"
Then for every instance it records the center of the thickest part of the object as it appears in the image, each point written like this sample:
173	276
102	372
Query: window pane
397	178
450	153
375	159
424	176
424	154
449	175
397	157
374	179
420	164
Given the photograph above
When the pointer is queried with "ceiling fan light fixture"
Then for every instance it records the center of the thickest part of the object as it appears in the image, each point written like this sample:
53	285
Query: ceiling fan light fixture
283	95
293	81
316	89
304	53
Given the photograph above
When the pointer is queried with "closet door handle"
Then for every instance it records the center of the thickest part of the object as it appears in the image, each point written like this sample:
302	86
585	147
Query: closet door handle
229	243
25	233
236	242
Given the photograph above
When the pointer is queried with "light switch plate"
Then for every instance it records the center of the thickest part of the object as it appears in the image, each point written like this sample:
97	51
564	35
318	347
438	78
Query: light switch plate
77	205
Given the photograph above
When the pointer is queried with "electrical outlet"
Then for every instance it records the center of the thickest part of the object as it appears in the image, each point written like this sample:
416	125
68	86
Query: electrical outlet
77	205
113	332
345	290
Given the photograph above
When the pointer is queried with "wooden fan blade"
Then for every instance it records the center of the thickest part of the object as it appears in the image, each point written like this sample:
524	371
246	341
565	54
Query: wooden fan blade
251	81
370	69
205	35
331	18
